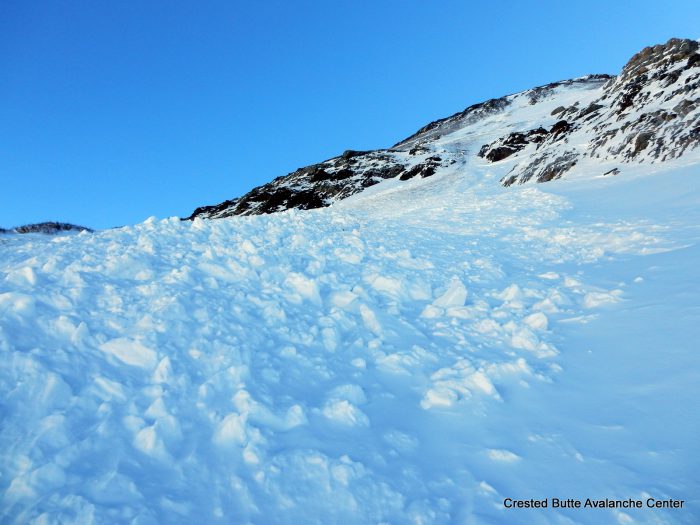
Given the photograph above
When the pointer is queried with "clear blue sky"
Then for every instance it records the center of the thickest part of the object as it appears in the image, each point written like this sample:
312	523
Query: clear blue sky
114	111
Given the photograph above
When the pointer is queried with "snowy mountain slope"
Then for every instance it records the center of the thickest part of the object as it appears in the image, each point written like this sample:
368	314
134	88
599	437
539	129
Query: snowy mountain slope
415	354
596	124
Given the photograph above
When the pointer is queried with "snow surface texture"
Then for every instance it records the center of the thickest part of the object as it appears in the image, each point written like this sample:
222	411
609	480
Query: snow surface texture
413	354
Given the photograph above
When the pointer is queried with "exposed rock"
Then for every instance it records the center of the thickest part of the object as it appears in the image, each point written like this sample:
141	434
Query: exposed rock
675	50
625	123
512	143
560	128
642	141
684	107
418	150
592	108
649	113
318	185
542	169
557	110
48	228
349	154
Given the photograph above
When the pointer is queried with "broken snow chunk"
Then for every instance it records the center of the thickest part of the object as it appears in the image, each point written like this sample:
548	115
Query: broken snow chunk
342	298
231	431
163	371
387	285
149	442
343	411
130	352
596	299
439	397
570	282
20	304
536	321
350	392
430	312
305	287
455	295
512	297
24	276
524	339
369	318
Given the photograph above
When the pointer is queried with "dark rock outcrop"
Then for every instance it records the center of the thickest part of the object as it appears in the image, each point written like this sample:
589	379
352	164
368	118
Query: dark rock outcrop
512	143
318	185
543	168
48	228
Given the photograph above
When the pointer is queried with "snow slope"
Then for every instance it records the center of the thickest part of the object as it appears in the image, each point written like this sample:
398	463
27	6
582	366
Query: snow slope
592	125
416	353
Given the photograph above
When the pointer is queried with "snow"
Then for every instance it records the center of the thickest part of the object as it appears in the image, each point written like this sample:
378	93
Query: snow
416	353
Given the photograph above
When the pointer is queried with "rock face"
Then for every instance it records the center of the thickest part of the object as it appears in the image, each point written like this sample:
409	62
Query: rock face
646	114
649	113
319	185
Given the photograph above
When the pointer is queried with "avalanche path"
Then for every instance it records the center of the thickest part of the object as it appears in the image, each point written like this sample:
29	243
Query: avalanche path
414	354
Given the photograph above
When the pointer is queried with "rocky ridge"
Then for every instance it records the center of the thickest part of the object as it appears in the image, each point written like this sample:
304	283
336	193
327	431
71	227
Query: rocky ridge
48	228
649	113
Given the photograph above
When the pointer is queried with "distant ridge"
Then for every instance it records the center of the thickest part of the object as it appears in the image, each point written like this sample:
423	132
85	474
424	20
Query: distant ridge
48	228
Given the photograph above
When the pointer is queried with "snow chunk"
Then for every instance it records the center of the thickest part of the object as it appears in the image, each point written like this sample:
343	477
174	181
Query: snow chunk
353	393
460	381
369	318
304	286
22	276
536	321
456	295
342	298
130	352
511	294
231	431
163	371
345	412
387	285
21	304
149	442
596	299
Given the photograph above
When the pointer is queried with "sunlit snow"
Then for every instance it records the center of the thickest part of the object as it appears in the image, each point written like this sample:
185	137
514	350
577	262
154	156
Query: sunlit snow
414	354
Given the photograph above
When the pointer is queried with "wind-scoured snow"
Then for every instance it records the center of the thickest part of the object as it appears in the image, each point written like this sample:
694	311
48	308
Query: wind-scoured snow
416	353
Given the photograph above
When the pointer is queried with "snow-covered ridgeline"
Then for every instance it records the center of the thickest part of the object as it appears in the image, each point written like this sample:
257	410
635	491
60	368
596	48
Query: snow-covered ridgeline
588	126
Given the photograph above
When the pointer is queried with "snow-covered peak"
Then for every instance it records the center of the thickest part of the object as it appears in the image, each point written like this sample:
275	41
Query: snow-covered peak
588	126
672	55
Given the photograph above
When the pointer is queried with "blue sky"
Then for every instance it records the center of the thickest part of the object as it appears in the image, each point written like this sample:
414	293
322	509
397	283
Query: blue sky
111	112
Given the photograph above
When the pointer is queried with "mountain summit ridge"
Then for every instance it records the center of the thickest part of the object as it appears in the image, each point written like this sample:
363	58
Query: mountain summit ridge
649	113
